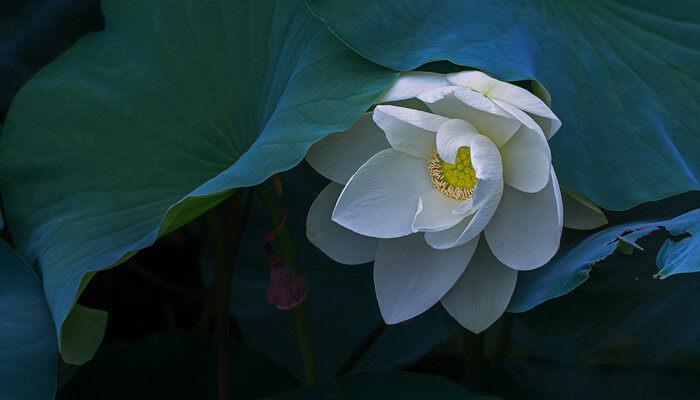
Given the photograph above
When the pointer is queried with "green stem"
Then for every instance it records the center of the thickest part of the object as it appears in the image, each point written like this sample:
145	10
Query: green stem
357	354
225	243
301	324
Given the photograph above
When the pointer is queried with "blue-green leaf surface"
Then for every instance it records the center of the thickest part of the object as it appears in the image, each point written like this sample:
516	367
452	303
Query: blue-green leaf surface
622	307
28	348
624	76
138	129
572	265
621	314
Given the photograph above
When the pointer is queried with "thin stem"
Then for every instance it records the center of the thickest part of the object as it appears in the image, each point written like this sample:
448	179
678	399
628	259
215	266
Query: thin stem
503	344
225	244
359	351
301	324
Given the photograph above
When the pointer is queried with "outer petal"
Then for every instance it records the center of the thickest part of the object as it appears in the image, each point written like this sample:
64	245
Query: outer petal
483	291
381	198
340	244
487	194
526	161
436	212
581	213
452	135
411	84
536	136
521	116
410	277
525	231
509	93
410	131
461	103
339	155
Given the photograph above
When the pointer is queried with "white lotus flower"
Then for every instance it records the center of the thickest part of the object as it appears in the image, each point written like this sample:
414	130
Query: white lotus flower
450	198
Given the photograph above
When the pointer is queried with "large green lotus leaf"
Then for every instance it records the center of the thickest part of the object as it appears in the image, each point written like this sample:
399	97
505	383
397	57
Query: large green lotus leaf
28	348
138	129
624	76
383	385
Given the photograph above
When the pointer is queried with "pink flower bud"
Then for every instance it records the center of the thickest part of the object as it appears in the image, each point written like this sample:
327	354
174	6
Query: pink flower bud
287	289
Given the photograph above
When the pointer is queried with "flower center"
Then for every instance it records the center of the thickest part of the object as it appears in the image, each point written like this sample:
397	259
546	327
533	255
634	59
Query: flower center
453	180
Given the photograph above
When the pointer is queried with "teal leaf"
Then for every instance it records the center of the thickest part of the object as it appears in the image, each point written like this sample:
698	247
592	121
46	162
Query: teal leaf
682	255
28	348
572	265
341	304
138	129
174	365
623	76
621	314
383	385
622	310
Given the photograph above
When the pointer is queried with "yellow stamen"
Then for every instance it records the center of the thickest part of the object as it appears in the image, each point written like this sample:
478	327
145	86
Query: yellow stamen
453	180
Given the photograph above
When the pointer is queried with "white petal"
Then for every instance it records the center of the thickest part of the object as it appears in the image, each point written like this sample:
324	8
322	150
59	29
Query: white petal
509	93
475	80
339	155
381	198
411	84
487	194
452	135
416	118
461	103
526	161
550	124
410	131
436	212
340	244
536	136
485	157
410	277
560	203
413	104
526	169
581	213
482	293
467	206
525	231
